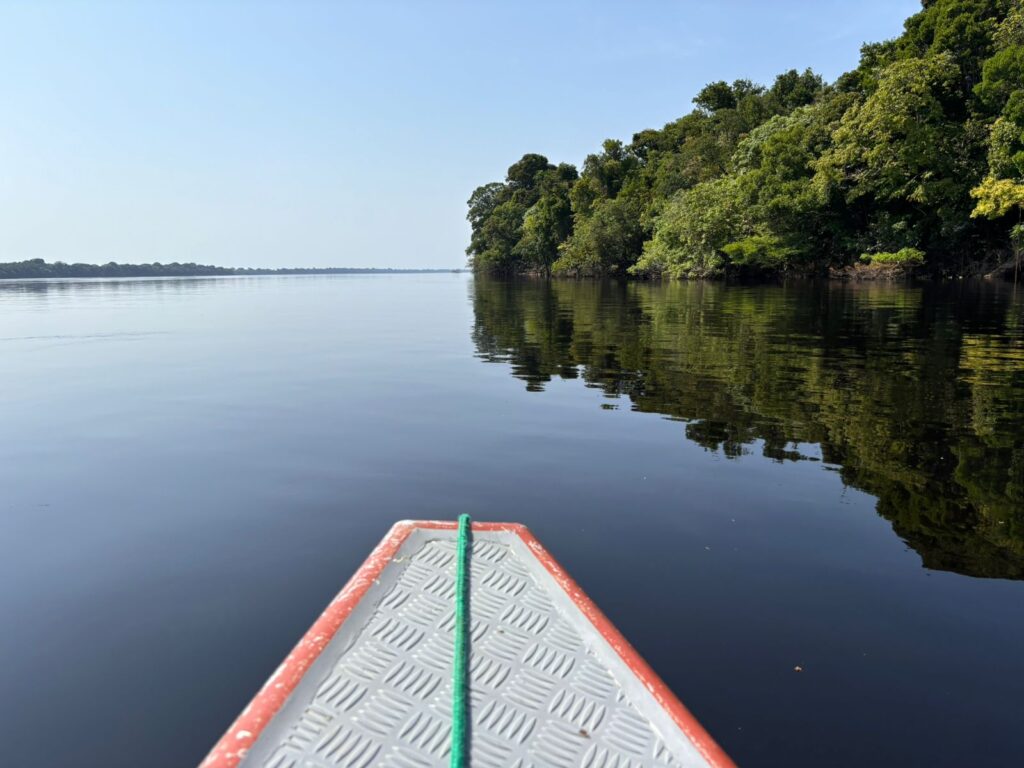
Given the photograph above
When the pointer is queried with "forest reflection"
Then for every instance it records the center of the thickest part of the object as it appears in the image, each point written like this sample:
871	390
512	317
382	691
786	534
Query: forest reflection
915	394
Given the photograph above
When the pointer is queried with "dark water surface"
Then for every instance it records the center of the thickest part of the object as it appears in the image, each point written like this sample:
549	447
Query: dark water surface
746	480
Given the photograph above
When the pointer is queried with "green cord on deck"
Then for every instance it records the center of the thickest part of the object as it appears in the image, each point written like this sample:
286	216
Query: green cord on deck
460	685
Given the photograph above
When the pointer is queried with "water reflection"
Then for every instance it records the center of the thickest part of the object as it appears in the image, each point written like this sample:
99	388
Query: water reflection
914	394
144	286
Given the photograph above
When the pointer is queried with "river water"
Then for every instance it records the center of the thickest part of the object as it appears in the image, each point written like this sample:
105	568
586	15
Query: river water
803	504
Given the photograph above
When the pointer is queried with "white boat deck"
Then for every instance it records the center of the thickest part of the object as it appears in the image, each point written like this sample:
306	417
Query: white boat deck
548	687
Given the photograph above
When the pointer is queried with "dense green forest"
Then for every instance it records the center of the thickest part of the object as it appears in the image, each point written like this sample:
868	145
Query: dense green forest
37	268
912	161
912	393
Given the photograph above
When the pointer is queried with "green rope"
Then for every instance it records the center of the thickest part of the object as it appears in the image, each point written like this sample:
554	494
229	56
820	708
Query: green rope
460	685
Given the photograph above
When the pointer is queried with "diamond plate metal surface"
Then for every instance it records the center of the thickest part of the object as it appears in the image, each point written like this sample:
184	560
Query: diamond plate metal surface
542	691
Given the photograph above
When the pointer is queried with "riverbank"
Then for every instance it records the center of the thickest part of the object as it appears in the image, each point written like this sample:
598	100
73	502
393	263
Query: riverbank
1009	270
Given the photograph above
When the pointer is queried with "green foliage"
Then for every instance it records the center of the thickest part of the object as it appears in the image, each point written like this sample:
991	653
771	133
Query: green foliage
692	229
997	197
1011	29
759	253
905	257
525	174
603	176
517	225
899	145
883	160
794	89
774	166
1006	150
715	96
545	226
961	28
1001	76
605	242
1017	236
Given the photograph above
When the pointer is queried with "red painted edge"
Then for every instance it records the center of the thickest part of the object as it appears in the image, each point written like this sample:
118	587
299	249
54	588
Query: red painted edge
683	718
236	741
229	751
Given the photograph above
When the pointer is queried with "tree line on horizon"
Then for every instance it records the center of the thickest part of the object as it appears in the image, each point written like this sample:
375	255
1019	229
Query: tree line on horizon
915	159
33	269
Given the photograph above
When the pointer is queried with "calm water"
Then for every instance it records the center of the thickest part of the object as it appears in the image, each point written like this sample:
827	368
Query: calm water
747	480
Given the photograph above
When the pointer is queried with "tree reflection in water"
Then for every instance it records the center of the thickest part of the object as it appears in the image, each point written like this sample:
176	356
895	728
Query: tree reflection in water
914	394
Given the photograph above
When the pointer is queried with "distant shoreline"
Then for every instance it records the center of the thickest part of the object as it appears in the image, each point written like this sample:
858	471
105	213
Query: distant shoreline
35	269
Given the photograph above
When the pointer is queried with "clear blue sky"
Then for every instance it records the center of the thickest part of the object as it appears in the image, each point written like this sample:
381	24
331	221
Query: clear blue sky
348	134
